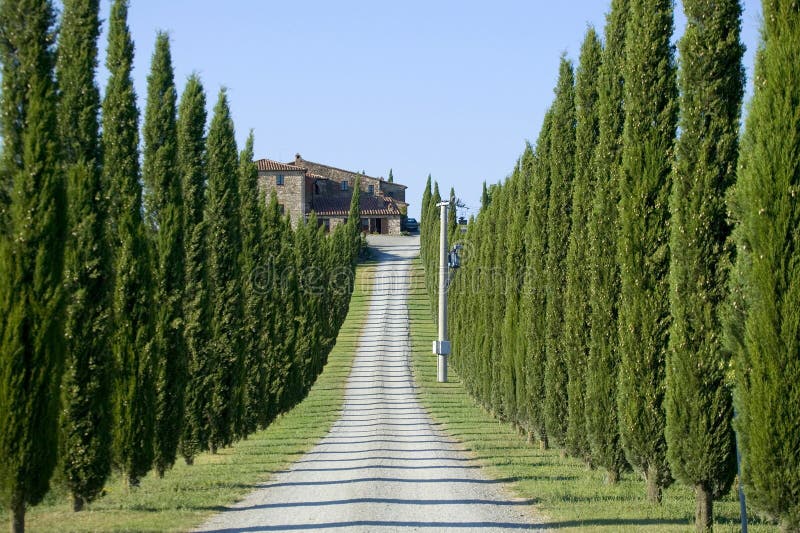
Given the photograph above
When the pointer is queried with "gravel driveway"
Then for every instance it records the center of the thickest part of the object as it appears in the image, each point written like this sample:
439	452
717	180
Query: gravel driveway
385	466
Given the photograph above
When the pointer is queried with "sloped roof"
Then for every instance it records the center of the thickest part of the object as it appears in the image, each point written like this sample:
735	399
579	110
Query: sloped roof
358	174
367	205
270	165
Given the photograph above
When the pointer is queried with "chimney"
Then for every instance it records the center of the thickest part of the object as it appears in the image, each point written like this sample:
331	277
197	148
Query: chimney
297	158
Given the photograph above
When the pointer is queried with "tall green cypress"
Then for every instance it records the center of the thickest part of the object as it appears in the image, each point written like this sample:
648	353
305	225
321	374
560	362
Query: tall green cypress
274	310
767	273
391	176
255	319
191	165
424	214
165	210
432	252
649	134
134	394
31	263
224	275
562	171
452	219
576	300
700	441
534	295
86	389
602	429
513	267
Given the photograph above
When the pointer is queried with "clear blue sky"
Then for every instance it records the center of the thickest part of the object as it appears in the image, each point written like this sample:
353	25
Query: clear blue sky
450	88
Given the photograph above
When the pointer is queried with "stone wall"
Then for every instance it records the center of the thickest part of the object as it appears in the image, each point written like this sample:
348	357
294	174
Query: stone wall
394	225
291	195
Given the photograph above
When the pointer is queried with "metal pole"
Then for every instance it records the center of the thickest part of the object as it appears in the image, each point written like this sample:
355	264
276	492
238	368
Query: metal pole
441	347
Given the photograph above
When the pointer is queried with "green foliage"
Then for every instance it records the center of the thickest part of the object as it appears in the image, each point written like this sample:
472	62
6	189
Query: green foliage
224	277
765	328
391	176
165	210
31	264
534	290
700	440
86	388
196	305
576	299
562	172
602	429
256	386
134	394
649	133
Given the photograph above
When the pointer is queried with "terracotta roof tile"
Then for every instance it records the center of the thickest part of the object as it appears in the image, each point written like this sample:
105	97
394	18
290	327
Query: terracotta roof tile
368	205
270	165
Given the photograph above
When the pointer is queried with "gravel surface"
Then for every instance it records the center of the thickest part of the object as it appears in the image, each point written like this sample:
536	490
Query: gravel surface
384	466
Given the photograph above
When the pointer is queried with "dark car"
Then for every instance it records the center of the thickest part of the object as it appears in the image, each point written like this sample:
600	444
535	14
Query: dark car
412	224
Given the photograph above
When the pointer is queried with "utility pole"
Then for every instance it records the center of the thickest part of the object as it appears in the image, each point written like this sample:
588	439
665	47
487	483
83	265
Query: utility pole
441	347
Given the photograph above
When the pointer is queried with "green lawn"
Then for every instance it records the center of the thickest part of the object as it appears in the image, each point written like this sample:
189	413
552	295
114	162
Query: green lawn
189	494
565	491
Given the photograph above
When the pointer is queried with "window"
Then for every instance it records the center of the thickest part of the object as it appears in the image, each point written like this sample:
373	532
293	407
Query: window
371	189
279	179
344	185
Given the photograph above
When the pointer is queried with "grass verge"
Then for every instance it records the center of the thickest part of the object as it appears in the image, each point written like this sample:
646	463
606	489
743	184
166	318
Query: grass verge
189	494
570	496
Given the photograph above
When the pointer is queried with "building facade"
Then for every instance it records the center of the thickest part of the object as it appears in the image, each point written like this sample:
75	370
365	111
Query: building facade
304	186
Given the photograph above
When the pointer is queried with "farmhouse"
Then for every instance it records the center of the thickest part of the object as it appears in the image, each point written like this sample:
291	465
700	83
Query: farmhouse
304	186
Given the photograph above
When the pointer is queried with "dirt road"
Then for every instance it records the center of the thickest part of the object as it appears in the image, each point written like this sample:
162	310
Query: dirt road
385	466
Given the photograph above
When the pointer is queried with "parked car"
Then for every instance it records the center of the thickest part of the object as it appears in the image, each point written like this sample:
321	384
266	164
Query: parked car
412	224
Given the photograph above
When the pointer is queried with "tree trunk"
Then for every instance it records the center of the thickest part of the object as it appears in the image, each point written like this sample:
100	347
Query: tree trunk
129	481
77	502
189	460
530	437
18	512
543	444
653	488
703	515
160	471
612	476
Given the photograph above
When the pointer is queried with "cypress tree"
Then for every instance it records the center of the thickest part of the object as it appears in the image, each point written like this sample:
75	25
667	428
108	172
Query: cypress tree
432	253
700	442
224	250
518	335
452	223
273	269
562	170
165	209
649	133
255	318
191	165
485	198
576	300
31	263
602	428
513	267
134	394
424	215
86	388
534	294
391	177
766	279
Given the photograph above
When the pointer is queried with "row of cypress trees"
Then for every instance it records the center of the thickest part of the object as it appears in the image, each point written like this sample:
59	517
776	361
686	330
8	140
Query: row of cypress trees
626	287
144	312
